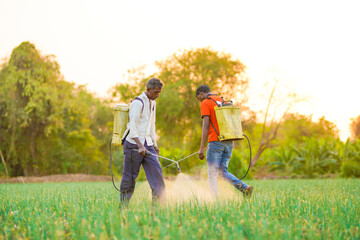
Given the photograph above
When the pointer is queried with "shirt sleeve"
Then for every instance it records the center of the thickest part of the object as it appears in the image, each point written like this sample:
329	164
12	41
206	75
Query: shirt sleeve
134	116
205	109
153	129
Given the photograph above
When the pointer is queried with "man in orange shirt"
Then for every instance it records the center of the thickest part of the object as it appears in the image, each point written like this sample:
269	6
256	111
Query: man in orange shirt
219	152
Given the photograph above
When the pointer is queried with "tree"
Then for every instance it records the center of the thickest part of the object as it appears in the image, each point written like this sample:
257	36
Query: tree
28	82
178	111
270	128
355	127
296	126
48	125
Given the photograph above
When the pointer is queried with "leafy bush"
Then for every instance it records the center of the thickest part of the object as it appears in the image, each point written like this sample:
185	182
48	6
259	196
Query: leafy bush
283	159
2	171
350	169
312	157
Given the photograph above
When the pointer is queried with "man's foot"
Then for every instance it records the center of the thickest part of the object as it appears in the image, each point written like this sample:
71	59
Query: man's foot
122	206
245	191
248	191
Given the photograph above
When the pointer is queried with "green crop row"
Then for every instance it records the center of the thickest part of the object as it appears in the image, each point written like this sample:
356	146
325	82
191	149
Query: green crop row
278	209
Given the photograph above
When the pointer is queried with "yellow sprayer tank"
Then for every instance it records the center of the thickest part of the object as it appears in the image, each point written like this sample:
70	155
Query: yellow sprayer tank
121	118
229	121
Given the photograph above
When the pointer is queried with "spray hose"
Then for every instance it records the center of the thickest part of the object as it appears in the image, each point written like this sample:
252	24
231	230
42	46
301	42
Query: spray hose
249	157
112	175
147	153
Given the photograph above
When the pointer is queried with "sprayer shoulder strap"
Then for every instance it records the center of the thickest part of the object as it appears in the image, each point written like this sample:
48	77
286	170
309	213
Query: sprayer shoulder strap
212	124
137	98
142	109
214	128
222	99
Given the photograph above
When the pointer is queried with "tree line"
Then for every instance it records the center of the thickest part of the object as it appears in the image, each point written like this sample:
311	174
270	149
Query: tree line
51	126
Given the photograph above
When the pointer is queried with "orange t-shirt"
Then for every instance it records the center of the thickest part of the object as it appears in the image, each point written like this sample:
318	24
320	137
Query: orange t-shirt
207	109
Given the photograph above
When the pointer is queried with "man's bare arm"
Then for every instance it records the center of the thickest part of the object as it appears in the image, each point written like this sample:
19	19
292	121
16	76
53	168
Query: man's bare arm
205	132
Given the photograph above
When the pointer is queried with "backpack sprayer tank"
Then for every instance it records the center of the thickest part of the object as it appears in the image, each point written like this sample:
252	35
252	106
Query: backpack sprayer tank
121	118
229	122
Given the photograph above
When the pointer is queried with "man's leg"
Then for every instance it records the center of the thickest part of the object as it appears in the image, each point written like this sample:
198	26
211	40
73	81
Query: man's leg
225	159
213	157
154	175
132	163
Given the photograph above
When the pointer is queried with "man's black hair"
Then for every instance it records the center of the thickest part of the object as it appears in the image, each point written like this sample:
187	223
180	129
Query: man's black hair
203	88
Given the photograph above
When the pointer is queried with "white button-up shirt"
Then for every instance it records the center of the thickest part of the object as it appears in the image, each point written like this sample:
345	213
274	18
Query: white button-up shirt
142	124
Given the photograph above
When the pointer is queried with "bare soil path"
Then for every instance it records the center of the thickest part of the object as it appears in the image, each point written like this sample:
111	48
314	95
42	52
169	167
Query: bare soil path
58	178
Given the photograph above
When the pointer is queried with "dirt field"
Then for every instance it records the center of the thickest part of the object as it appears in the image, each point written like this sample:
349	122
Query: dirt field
263	173
59	178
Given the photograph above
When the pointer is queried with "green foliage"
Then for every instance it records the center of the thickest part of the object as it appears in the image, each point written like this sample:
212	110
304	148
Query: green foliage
28	84
350	156
297	127
313	157
48	125
279	209
284	159
295	131
350	169
317	156
2	171
350	151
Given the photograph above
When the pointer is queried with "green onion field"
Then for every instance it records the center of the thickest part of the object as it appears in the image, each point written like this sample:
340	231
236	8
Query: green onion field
278	209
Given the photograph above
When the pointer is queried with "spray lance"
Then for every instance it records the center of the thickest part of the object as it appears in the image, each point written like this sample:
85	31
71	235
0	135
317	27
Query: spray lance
147	153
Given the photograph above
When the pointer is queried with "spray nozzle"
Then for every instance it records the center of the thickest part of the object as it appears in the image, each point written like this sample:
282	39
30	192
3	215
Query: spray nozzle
179	170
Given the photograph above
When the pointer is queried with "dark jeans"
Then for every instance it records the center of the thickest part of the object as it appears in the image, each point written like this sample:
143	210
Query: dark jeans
132	162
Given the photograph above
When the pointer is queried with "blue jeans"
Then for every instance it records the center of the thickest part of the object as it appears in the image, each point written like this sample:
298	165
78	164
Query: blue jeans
218	157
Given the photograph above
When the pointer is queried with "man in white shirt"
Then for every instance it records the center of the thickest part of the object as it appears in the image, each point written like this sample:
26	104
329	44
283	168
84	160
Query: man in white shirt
139	140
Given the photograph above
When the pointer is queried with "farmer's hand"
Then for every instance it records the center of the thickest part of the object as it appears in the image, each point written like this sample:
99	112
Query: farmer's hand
157	150
201	153
142	150
140	146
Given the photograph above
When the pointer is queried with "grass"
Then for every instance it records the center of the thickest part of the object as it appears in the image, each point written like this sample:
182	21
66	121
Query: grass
279	209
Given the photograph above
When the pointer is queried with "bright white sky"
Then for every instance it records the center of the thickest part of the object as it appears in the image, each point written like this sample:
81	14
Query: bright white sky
313	47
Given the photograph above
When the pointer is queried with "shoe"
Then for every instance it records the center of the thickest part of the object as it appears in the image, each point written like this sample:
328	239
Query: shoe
248	191
122	206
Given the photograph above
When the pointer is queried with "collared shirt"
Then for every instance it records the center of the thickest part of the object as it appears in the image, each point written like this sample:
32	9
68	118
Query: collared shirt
142	124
